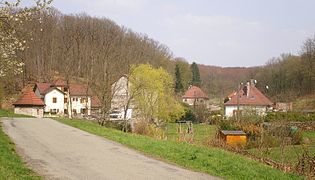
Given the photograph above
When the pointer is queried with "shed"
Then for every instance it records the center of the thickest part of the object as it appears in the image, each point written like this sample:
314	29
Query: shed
29	104
233	137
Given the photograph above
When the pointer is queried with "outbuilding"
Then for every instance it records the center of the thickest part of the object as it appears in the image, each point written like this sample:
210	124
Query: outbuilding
232	137
29	104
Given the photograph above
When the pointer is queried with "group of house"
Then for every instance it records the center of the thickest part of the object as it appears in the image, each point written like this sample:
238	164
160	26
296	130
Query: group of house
57	98
60	98
245	98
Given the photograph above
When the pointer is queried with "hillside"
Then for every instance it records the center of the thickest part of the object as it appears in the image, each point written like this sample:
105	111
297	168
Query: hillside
221	81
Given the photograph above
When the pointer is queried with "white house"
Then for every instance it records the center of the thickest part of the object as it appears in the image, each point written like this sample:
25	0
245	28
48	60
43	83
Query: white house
248	98
121	97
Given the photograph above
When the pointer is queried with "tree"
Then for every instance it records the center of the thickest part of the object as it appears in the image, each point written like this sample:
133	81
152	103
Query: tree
196	81
178	80
154	99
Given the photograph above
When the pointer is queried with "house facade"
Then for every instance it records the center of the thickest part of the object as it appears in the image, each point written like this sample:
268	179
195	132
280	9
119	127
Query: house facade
249	98
29	104
194	96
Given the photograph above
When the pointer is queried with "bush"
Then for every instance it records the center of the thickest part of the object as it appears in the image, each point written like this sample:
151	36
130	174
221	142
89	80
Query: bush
289	116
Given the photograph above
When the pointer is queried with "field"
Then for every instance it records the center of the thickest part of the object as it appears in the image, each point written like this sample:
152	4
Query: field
291	153
213	161
202	132
11	165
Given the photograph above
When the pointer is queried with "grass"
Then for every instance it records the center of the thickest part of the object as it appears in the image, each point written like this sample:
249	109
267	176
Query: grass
202	132
291	153
7	113
11	165
213	161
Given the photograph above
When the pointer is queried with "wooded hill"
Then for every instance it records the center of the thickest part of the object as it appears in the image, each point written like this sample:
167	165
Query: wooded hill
97	51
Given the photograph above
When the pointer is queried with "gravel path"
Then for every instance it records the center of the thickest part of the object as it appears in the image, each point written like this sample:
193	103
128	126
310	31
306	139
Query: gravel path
58	151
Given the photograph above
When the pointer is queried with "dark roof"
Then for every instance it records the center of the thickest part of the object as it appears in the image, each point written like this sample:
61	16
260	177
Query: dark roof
232	132
194	92
255	97
29	98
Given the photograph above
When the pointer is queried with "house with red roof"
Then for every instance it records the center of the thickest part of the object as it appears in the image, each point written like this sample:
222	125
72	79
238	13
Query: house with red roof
29	104
247	98
195	96
59	97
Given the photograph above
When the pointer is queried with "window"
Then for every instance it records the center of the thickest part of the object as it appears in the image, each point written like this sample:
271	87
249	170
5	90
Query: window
54	100
82	100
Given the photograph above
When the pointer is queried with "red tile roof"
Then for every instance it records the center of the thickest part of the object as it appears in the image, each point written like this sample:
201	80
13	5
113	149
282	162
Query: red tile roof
43	87
60	82
29	98
79	90
255	97
96	103
195	92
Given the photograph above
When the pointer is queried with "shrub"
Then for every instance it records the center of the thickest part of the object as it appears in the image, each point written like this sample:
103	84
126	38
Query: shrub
289	116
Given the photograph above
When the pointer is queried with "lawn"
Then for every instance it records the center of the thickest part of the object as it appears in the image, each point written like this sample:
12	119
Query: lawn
11	165
291	153
7	113
213	161
202	132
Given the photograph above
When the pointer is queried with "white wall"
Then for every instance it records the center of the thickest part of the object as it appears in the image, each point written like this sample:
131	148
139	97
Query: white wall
260	110
77	105
198	101
32	111
58	105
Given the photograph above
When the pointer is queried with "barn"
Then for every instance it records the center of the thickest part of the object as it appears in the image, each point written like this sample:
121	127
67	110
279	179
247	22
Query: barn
29	104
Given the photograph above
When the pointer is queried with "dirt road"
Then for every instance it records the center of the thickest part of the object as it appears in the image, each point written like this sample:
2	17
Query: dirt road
58	151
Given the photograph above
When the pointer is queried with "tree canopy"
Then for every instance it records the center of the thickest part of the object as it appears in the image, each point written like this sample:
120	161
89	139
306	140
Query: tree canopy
154	94
196	81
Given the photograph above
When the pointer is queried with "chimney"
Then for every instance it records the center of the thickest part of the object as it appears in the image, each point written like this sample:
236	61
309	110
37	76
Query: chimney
248	88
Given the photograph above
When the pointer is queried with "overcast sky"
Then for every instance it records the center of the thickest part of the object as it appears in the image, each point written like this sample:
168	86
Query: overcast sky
212	32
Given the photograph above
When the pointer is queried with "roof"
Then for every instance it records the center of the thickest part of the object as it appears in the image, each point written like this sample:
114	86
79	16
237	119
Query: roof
195	92
29	98
60	82
79	90
232	132
43	87
95	102
255	97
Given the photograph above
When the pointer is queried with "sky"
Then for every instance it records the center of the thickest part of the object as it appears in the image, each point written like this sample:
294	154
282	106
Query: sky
226	33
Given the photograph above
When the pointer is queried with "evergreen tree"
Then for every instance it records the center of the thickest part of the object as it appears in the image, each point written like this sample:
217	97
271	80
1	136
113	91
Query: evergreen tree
195	81
178	80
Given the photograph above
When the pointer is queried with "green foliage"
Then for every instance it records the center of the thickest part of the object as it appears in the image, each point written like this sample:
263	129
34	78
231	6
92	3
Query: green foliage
11	165
179	88
154	94
185	72
289	116
196	81
213	161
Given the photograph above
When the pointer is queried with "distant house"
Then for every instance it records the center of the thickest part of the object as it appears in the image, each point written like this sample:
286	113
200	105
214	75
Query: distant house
195	96
247	98
56	96
29	104
121	99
